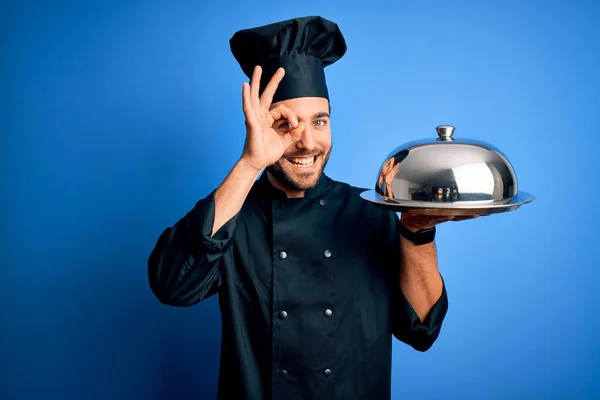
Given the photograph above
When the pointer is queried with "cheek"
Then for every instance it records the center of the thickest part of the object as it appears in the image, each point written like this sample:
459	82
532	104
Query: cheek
324	144
323	139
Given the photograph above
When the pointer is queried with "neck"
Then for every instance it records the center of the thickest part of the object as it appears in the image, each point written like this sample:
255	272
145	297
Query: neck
290	193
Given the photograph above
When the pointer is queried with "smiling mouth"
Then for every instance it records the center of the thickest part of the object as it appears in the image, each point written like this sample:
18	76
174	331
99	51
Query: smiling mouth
304	162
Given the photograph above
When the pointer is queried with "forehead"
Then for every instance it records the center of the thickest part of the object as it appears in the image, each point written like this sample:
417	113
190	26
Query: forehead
305	107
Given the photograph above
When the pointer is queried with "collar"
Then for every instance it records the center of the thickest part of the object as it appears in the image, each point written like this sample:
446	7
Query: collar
267	188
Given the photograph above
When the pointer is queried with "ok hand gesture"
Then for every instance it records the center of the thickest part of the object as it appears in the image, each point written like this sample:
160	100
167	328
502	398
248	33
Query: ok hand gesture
264	145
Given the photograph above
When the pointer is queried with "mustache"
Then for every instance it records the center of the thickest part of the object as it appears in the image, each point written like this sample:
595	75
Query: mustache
302	154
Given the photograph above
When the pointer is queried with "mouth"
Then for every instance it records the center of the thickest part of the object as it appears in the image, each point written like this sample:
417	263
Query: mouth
303	162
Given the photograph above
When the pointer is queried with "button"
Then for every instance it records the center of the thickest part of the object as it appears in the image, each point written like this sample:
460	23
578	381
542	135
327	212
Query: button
283	314
328	313
282	373
327	373
327	253
282	255
322	203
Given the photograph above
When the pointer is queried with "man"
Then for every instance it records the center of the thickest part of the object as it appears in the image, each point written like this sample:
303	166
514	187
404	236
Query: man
313	282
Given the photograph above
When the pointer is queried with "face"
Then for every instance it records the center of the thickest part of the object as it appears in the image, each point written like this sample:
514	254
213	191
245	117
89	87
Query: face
302	164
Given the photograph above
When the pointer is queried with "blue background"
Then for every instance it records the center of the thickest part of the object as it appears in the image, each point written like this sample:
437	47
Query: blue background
117	117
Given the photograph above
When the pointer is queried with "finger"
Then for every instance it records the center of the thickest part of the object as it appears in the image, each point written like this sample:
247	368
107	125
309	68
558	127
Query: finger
255	86
465	217
282	112
267	96
386	167
247	104
439	220
429	220
294	135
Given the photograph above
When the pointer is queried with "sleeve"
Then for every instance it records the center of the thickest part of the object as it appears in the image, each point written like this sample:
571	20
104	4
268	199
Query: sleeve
184	266
408	328
406	324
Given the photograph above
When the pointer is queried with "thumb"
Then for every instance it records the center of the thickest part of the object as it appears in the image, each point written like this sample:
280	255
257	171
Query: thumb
295	134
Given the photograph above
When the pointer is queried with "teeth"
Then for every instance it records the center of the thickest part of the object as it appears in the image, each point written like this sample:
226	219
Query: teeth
302	161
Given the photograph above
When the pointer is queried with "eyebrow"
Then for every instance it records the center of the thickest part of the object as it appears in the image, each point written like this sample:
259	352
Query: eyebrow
317	116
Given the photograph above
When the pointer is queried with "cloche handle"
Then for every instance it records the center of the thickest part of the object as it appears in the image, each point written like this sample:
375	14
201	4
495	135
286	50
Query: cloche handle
445	132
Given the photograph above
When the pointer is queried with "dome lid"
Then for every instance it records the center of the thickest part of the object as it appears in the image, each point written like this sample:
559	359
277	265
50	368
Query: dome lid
447	176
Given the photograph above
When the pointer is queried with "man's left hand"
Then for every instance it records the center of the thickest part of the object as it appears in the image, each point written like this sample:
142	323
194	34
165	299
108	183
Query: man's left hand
415	222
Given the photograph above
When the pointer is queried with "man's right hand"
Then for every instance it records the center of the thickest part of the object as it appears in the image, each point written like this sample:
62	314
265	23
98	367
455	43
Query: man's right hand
264	145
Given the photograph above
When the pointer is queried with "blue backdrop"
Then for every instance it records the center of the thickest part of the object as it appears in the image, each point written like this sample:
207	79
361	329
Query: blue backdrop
116	117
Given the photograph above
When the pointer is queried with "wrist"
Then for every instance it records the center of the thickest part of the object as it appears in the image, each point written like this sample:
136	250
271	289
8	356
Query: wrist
411	227
414	224
244	174
416	234
248	167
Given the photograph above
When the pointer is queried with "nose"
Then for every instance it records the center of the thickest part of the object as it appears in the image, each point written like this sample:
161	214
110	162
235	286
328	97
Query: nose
307	141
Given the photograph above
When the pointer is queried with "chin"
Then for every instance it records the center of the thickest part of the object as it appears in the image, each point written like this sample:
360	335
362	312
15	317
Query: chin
297	177
300	171
305	183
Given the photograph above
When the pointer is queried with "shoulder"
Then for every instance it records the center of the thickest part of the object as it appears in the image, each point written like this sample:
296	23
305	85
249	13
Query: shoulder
350	195
344	190
359	213
345	187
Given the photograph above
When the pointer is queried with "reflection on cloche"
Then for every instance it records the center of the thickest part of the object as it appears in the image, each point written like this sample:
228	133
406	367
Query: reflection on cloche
447	173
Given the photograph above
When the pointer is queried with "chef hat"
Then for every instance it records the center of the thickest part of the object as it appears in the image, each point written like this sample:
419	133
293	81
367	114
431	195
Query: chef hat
302	46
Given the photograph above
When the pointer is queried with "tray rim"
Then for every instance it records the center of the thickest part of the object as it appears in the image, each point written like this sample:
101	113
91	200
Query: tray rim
520	199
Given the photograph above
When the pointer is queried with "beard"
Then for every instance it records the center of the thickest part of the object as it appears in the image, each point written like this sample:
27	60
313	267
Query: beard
301	181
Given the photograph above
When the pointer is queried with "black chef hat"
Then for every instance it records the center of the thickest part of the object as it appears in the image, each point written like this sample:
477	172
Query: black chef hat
302	46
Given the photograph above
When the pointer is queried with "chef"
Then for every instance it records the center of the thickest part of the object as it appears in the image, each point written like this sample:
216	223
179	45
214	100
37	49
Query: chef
313	282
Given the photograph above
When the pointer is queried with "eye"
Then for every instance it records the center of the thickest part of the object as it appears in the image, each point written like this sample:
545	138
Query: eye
320	122
284	126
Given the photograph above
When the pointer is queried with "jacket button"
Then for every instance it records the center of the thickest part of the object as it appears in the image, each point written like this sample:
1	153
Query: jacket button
322	203
282	373
327	253
328	313
327	373
283	314
282	255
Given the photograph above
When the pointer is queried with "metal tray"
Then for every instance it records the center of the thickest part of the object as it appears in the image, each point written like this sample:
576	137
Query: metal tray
467	208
